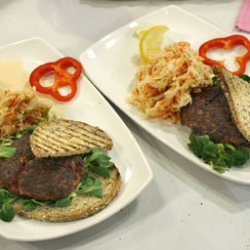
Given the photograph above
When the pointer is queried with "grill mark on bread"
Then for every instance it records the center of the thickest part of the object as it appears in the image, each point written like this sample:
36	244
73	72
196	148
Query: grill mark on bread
50	147
66	137
57	144
100	135
59	141
73	144
95	136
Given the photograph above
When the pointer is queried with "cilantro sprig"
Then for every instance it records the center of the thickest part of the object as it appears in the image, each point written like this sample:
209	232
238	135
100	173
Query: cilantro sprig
99	162
221	157
91	186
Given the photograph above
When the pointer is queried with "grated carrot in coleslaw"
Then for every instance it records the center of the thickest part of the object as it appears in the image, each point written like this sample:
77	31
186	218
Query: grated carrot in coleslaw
19	110
163	86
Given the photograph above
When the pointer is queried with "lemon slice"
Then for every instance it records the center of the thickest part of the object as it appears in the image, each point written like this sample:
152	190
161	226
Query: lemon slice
150	42
141	31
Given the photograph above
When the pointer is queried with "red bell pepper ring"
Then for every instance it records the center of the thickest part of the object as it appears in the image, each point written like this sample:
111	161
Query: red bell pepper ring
63	78
227	43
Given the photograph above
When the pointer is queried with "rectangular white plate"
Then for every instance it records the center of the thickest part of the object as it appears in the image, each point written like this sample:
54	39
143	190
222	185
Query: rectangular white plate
109	65
88	106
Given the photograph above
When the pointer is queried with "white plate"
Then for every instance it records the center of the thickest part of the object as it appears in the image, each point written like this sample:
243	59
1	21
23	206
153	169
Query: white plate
110	67
91	107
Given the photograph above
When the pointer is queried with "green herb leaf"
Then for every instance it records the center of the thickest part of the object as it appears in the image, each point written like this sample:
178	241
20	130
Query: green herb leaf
29	205
240	157
6	196
7	212
215	80
98	161
65	202
6	142
7	152
245	78
219	156
42	203
197	143
102	171
209	150
30	129
27	131
219	169
90	185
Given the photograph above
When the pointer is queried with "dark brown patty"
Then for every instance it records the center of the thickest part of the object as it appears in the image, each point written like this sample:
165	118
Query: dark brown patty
23	149
209	114
9	167
50	178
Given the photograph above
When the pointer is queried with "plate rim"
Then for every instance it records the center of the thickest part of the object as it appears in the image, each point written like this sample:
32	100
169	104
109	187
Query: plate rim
196	160
137	192
171	6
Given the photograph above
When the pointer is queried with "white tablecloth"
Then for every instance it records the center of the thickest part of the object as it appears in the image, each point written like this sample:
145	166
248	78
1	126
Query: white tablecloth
184	207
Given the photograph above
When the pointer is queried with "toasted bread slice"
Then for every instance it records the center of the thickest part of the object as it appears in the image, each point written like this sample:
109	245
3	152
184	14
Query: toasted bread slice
61	137
237	92
82	207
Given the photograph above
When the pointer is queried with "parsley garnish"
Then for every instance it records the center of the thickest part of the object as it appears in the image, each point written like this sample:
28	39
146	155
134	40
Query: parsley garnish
98	162
221	157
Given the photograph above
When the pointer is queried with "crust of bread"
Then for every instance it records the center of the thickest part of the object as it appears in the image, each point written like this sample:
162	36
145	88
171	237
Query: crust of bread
237	92
60	137
83	206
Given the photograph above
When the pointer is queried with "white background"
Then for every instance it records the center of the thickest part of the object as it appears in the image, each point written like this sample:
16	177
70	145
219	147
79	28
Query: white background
184	207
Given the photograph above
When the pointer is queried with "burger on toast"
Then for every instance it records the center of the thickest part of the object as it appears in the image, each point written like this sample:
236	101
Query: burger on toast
219	117
61	172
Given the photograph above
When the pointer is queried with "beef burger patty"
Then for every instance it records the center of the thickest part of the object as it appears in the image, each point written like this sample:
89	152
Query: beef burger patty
50	178
209	114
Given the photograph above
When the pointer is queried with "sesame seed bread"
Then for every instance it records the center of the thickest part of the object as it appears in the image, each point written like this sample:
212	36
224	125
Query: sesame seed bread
60	137
237	92
82	207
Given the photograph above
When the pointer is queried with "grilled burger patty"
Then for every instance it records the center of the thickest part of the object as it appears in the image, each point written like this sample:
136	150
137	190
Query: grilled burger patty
23	150
50	179
209	114
9	167
41	179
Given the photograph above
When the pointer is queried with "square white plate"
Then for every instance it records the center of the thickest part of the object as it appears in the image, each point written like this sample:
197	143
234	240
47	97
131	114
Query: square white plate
89	106
109	65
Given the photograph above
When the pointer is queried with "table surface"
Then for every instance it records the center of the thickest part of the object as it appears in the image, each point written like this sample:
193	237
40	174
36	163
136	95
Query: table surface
184	207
